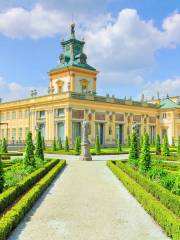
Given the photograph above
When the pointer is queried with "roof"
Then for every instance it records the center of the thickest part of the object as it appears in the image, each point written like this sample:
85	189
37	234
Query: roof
86	66
168	103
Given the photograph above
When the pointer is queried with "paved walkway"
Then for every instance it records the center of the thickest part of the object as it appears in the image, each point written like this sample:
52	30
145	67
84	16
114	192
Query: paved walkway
87	202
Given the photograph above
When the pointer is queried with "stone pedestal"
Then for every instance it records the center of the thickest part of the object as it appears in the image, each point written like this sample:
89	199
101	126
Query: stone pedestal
85	144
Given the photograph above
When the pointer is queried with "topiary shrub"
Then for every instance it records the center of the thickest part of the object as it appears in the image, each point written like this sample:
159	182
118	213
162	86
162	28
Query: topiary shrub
165	150
178	146
119	146
98	145
29	159
59	144
153	141
4	146
141	141
39	153
66	146
134	150
173	142
158	145
145	159
54	145
129	140
1	176
77	148
43	143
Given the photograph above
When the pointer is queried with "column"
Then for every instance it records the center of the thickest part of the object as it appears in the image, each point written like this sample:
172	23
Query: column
107	126
68	124
93	127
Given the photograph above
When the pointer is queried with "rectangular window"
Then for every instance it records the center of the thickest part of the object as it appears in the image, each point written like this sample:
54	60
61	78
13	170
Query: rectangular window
14	134
13	115
164	115
60	112
8	116
20	134
2	133
42	114
20	114
2	116
27	114
26	131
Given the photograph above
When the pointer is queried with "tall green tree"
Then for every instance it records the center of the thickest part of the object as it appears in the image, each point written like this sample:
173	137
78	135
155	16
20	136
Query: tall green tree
1	176
141	141
77	148
66	146
54	145
59	144
39	153
119	145
165	150
158	145
134	150
4	146
98	145
29	159
43	143
129	140
145	158
178	146
173	142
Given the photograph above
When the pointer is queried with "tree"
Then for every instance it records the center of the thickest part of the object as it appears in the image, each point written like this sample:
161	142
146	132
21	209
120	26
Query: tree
43	143
66	146
129	140
178	146
77	148
59	144
4	146
153	141
119	146
158	145
145	158
1	176
141	141
29	159
97	145
134	151
39	153
165	150
173	142
54	145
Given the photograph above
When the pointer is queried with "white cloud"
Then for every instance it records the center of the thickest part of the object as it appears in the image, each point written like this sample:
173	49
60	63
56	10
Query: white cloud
168	86
13	91
123	48
36	23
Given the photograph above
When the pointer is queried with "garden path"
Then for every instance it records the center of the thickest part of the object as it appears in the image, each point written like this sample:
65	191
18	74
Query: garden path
86	201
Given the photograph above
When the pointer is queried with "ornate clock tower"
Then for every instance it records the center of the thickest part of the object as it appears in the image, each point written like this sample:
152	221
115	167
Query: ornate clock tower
73	73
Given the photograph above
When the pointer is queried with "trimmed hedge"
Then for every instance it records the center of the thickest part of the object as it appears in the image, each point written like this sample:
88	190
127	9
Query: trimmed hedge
168	199
11	194
11	219
166	219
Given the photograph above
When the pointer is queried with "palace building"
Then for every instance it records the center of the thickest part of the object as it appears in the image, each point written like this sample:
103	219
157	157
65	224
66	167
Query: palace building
72	98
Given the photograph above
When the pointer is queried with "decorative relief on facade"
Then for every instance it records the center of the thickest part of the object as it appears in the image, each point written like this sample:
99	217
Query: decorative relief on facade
77	114
137	118
119	117
152	119
100	116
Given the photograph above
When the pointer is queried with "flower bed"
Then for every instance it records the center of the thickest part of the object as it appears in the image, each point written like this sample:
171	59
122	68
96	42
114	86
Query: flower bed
11	194
167	219
11	219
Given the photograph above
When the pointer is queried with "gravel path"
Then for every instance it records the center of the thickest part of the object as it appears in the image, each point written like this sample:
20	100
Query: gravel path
87	202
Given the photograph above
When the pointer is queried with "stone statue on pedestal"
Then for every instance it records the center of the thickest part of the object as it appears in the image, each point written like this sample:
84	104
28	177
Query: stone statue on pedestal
85	144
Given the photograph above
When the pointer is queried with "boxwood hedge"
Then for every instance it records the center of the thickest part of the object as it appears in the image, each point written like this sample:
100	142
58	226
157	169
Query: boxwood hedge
11	194
166	219
11	219
167	198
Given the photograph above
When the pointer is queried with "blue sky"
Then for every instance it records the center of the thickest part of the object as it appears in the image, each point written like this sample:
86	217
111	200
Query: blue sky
134	44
